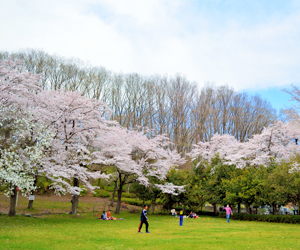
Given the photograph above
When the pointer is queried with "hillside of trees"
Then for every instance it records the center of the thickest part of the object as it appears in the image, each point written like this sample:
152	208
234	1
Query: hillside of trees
169	105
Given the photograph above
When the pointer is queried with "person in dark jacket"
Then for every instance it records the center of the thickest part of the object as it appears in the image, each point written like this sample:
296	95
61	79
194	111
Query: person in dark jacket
144	219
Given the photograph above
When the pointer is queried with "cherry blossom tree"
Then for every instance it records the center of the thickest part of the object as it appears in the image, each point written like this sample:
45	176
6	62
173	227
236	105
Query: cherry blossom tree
77	121
21	155
275	143
17	87
136	158
292	115
218	144
81	138
23	141
72	120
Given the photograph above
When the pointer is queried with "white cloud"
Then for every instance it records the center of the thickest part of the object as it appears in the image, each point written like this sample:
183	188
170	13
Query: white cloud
154	36
142	12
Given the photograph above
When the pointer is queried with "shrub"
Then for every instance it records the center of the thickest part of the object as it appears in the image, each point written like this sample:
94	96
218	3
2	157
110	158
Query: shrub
109	188
207	213
292	219
134	202
83	191
101	193
3	188
159	201
43	185
179	207
128	195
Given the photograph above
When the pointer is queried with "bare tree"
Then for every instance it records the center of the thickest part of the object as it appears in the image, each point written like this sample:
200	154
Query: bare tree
166	105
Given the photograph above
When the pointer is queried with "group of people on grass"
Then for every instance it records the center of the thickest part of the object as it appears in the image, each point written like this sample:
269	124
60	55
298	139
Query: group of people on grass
173	212
193	215
106	216
144	219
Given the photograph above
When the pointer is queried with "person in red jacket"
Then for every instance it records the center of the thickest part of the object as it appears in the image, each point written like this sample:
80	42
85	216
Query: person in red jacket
109	215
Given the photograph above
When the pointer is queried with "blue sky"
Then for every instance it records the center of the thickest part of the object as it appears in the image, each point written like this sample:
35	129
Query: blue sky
278	98
251	46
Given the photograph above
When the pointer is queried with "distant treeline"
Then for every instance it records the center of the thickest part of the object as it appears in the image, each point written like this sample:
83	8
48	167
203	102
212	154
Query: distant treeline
167	105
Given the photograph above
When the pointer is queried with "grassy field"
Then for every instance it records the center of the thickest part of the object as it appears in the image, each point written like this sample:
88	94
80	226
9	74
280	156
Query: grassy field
85	232
65	231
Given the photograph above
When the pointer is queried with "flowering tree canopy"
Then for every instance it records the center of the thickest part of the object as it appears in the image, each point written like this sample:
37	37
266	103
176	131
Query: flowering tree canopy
137	158
69	118
76	121
22	153
17	87
64	135
135	154
275	143
22	140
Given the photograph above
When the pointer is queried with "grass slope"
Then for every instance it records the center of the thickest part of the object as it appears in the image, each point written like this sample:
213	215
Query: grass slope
85	232
54	204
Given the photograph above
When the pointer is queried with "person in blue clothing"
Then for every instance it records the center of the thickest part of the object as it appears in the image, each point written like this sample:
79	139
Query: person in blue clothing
181	217
144	219
103	216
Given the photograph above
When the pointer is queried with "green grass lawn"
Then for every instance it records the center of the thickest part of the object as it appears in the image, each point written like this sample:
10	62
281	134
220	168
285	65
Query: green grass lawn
85	232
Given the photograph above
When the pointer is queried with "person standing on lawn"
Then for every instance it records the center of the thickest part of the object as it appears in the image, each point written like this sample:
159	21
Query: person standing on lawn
144	219
181	217
228	212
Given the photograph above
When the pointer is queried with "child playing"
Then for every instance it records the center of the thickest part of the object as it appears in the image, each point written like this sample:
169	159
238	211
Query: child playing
109	215
144	219
181	218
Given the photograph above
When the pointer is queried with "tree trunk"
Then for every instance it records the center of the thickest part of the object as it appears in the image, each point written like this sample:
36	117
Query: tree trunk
247	208
215	209
153	206
118	207
13	201
113	195
239	208
274	208
75	197
30	203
